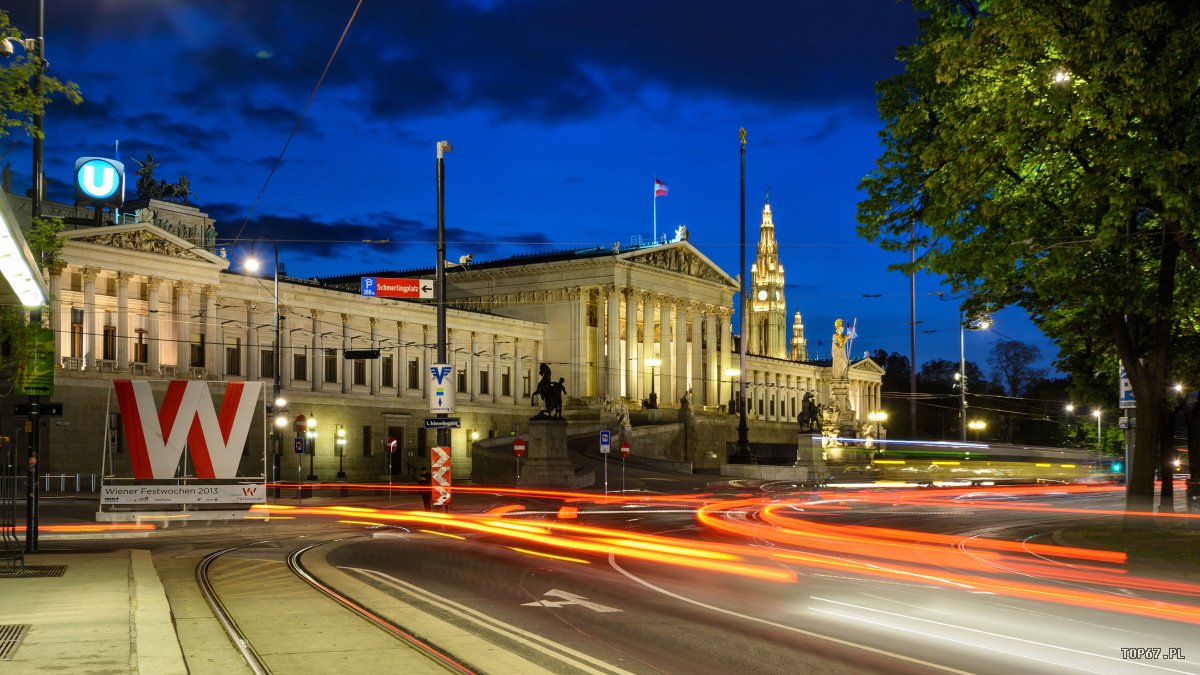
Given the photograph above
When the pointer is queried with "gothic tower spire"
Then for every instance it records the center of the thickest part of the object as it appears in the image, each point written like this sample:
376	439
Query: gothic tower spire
768	308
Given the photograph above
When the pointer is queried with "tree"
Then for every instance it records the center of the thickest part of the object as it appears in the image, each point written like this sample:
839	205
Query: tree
1012	363
18	104
1048	149
895	387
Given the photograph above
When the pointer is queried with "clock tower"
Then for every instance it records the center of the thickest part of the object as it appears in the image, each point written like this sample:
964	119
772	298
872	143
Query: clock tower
768	307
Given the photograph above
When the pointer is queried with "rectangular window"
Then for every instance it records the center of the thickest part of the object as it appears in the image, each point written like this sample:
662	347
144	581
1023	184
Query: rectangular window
385	372
233	357
266	363
414	374
506	382
462	382
331	365
110	343
76	333
141	350
528	391
300	366
360	371
366	440
197	356
484	387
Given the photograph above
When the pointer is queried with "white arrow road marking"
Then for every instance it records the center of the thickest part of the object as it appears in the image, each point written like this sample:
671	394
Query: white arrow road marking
568	599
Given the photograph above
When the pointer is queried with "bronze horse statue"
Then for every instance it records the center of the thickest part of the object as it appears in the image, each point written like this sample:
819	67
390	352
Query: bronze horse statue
551	394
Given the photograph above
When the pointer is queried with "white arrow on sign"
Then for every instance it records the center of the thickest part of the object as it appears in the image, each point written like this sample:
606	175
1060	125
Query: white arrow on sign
569	599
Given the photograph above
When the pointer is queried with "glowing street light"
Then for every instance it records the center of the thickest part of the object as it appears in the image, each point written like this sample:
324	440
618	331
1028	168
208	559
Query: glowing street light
731	373
977	426
1097	413
654	363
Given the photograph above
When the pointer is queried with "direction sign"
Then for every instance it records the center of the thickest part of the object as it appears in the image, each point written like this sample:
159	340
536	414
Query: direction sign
605	441
45	409
383	287
443	422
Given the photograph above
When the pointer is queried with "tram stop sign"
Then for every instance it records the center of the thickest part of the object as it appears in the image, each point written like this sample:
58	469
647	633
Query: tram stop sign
301	423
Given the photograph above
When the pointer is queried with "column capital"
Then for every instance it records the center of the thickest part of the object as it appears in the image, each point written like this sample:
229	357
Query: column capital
315	314
212	290
609	289
346	318
399	325
632	294
153	282
123	279
372	321
184	287
89	273
57	267
251	305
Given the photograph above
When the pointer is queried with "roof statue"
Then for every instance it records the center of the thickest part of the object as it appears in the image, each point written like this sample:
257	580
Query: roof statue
149	188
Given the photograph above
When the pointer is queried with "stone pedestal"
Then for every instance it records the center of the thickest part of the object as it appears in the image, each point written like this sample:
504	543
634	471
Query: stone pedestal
810	456
546	461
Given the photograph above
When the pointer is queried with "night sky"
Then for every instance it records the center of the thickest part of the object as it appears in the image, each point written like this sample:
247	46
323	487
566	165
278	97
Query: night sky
560	114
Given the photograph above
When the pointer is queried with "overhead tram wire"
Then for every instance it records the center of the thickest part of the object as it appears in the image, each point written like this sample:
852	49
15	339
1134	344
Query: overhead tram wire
299	120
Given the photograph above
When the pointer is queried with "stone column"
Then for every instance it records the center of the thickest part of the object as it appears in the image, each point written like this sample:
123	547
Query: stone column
726	351
495	376
123	321
214	349
472	369
612	363
253	358
666	383
649	310
518	394
60	322
373	365
401	361
316	359
679	334
347	364
286	357
153	328
712	361
183	327
697	380
578	298
92	332
631	343
599	373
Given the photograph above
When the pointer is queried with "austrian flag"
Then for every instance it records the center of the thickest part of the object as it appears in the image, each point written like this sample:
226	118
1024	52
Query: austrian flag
660	188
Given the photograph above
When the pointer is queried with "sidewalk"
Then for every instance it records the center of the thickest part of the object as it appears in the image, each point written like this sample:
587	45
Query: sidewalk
95	612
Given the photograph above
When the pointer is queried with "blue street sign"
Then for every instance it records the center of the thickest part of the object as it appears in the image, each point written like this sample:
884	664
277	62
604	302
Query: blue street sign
299	446
368	285
605	441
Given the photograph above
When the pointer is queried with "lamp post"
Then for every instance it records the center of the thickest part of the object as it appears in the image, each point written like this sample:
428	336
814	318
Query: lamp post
731	373
1097	413
311	435
654	363
443	434
962	368
278	403
743	454
340	441
878	417
977	426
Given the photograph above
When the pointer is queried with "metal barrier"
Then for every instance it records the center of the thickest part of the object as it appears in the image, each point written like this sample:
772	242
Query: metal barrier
64	478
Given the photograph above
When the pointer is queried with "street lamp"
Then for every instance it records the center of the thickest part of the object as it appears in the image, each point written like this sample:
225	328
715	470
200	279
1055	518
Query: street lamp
743	454
340	442
654	363
311	435
962	367
278	402
731	373
977	426
1097	413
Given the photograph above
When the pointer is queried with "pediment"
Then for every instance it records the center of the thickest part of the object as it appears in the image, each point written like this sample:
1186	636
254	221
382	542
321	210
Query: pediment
680	258
145	238
868	366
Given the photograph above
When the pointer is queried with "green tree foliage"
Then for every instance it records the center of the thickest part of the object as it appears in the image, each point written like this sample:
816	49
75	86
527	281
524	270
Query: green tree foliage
1049	151
18	104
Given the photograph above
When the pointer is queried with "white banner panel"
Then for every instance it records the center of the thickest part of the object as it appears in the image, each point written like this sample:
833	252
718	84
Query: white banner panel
249	493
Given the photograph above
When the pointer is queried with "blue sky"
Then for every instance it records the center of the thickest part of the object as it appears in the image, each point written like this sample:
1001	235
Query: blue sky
560	115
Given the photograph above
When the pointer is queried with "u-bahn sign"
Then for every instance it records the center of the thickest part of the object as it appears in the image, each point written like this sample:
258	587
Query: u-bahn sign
99	181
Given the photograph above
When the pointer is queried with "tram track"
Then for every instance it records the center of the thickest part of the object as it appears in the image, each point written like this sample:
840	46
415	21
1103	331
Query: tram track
301	628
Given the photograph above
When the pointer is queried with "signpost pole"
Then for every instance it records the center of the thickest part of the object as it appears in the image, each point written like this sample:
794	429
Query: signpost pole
443	434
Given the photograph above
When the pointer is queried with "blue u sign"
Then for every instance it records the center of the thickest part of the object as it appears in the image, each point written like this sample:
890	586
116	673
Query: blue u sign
100	180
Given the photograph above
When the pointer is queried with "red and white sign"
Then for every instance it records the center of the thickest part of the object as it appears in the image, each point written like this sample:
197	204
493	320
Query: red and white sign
392	444
519	447
440	463
156	436
624	448
301	423
403	288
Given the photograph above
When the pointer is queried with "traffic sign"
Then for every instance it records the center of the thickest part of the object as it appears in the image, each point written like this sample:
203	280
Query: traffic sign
361	353
383	287
605	441
301	423
46	409
441	388
443	422
391	444
440	470
624	448
299	446
519	447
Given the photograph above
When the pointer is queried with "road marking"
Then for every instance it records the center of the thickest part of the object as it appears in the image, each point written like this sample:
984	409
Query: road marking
568	599
612	560
533	641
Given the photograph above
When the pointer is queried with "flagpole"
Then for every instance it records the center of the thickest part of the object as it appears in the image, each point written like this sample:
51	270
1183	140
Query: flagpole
654	196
